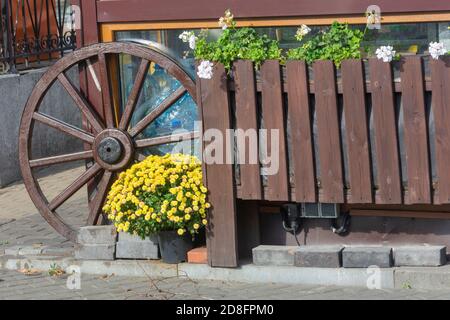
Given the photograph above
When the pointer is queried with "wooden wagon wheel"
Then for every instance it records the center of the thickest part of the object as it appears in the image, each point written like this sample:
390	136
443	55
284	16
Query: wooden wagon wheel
111	145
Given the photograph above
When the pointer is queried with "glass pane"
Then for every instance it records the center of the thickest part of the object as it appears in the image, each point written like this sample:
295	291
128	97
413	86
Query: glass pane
405	37
158	86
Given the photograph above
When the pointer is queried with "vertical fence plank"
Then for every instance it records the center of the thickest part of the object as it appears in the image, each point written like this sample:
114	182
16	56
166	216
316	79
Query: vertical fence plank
416	135
301	133
357	134
386	140
440	81
221	230
273	118
247	129
330	154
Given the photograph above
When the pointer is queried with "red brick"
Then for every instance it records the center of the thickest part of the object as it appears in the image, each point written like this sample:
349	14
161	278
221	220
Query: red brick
198	255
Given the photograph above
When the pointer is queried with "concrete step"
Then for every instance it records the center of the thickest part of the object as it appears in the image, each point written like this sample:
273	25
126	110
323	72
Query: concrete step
382	278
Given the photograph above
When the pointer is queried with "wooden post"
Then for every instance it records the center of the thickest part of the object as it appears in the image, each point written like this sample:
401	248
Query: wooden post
221	235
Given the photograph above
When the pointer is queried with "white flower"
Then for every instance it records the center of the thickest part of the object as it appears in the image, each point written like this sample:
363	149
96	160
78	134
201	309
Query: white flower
385	53
302	31
436	49
185	35
227	20
188	36
205	70
192	41
222	23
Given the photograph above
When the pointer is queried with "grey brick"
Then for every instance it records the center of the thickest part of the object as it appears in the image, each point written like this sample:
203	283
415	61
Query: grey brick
95	251
124	236
363	257
420	256
137	250
274	255
97	235
318	256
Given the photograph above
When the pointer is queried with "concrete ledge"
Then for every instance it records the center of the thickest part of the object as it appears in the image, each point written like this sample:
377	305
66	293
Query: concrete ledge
246	273
420	256
432	278
288	275
129	268
399	277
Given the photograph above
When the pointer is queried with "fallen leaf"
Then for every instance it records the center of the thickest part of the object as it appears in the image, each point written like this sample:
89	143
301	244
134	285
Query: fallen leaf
30	272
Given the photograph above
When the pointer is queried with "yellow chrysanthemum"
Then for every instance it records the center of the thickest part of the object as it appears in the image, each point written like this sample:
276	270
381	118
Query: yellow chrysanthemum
141	199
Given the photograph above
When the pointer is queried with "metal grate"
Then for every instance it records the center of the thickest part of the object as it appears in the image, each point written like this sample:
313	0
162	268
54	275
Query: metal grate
33	33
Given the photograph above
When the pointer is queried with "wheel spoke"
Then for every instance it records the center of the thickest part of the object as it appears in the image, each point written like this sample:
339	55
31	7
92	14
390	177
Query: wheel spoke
149	142
61	159
99	198
74	187
106	91
81	102
134	94
64	127
140	156
170	100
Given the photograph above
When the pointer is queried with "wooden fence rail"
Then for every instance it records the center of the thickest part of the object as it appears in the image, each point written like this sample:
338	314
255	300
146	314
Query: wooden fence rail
371	132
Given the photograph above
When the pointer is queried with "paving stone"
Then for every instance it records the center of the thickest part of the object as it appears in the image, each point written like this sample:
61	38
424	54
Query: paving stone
420	256
364	257
13	251
97	235
274	255
58	251
30	250
318	256
95	251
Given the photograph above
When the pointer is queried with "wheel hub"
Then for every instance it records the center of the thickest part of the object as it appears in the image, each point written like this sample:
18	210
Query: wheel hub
113	149
110	150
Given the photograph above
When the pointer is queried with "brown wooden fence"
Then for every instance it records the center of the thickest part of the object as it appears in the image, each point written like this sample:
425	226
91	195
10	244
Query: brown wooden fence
371	132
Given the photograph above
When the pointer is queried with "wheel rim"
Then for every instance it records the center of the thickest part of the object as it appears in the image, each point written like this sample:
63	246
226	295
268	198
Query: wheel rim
109	145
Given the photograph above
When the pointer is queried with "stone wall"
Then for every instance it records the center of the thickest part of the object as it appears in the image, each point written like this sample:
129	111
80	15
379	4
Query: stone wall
14	92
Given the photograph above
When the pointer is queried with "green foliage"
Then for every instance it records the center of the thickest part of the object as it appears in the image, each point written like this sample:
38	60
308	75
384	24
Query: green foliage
339	42
238	43
55	270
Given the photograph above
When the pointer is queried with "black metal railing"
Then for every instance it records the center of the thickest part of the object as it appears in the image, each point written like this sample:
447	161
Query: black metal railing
33	33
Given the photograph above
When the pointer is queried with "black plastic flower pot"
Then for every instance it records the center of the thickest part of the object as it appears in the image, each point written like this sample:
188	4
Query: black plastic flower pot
174	248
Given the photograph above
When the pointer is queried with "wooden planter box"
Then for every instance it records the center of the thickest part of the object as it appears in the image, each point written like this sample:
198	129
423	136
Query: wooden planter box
373	133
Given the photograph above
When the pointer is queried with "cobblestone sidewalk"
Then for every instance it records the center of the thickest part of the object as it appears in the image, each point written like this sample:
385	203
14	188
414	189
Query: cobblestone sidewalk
15	285
20	222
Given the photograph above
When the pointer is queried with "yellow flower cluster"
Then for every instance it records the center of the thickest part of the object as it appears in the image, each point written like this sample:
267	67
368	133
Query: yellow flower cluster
158	194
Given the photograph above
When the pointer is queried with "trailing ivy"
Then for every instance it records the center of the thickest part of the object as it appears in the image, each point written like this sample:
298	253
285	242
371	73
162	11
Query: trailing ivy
338	43
237	43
